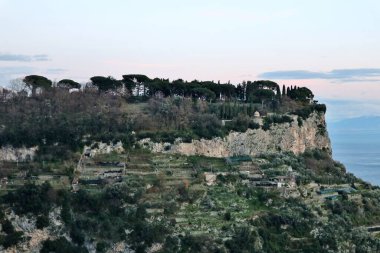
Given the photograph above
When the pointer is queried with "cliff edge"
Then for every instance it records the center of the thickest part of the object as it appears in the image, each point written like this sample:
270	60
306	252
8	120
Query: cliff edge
297	136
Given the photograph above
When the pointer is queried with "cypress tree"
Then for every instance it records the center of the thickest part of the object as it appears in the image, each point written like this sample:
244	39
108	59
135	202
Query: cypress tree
235	111
278	92
229	114
250	110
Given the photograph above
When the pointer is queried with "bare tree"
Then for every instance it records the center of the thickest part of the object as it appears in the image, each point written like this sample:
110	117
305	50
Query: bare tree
19	86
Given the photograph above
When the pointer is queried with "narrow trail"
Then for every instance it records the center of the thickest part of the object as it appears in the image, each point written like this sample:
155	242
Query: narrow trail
78	169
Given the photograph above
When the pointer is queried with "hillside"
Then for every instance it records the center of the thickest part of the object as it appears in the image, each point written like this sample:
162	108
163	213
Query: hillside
152	165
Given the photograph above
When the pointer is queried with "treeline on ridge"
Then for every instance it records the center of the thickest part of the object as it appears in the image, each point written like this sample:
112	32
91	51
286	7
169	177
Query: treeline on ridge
133	85
59	122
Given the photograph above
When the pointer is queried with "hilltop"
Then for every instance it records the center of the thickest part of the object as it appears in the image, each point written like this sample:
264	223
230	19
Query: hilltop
152	165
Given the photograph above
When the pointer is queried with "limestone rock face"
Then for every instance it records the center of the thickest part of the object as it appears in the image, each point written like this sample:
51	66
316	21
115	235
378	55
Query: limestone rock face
98	148
280	137
8	153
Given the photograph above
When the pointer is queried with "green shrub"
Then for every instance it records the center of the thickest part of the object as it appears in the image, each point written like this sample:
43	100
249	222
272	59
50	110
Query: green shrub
276	119
206	126
241	123
31	198
12	239
7	227
42	221
61	245
77	235
305	112
101	247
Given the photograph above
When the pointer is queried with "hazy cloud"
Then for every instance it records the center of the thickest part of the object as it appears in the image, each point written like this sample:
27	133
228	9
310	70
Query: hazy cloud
23	58
40	57
343	75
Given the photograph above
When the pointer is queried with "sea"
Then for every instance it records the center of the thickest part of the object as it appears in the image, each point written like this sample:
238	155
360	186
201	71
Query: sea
356	143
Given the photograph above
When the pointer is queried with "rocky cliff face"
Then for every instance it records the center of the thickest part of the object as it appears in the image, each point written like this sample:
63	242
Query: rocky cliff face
9	153
293	137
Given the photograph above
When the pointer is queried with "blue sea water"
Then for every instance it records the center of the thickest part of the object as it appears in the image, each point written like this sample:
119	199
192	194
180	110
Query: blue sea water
359	151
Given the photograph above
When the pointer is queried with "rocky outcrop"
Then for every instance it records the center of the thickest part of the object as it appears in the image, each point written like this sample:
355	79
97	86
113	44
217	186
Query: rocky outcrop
34	237
295	137
98	148
11	154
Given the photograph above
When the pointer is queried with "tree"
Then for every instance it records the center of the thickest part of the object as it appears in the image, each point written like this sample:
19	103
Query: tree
261	96
203	93
206	125
68	84
105	83
18	85
34	82
301	94
283	90
278	92
133	80
260	91
245	240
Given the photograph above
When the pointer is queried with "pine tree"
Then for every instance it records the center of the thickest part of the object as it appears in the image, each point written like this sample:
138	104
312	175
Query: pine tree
283	90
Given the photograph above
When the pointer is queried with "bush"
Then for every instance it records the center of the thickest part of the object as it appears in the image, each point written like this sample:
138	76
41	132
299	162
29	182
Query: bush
12	239
77	235
227	216
42	221
305	112
101	247
206	126
7	227
61	245
31	198
241	123
276	119
166	136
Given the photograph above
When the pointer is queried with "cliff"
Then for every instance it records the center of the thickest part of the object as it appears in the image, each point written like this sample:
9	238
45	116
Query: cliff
9	153
294	136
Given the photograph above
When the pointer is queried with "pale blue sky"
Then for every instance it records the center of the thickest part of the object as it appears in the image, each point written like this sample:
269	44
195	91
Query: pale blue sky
332	46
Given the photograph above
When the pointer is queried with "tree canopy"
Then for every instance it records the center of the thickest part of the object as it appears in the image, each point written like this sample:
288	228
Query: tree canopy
34	82
105	83
68	84
301	94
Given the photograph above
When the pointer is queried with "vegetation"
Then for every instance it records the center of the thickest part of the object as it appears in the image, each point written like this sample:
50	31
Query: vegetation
61	123
142	201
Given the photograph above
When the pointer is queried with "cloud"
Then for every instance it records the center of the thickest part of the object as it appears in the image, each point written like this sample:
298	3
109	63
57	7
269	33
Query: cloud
23	58
40	57
343	75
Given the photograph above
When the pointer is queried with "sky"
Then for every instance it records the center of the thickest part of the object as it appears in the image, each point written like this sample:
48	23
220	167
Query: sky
332	47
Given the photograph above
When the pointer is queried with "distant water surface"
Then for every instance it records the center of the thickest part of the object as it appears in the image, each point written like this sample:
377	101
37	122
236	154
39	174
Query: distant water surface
358	148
